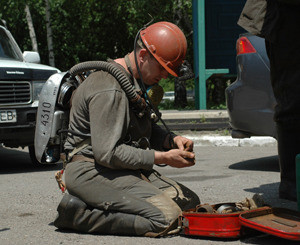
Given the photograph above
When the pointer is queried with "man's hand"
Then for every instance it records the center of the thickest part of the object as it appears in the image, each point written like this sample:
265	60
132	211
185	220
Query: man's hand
176	158
180	142
183	143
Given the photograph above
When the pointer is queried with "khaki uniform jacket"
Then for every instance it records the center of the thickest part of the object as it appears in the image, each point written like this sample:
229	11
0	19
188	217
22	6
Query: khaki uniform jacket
100	107
261	17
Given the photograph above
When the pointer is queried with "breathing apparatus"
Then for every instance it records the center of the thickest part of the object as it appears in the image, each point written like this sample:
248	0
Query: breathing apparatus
55	101
56	95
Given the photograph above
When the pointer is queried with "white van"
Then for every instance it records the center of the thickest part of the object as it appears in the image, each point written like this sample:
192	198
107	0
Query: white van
21	81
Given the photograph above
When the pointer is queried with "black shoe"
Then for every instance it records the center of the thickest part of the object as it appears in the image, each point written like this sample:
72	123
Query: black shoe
68	208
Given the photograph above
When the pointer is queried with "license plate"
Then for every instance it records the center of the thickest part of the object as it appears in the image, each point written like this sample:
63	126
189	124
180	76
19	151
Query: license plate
8	116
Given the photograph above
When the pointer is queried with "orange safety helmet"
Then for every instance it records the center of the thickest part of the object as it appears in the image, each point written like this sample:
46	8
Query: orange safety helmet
167	43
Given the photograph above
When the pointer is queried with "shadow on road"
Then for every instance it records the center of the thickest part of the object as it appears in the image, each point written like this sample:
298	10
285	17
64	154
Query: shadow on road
18	161
258	164
269	193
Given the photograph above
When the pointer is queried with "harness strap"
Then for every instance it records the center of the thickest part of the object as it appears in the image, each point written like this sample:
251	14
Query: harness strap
81	146
59	174
128	64
135	82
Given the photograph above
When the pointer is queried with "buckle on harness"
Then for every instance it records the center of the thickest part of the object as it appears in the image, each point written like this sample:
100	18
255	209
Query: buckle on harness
142	143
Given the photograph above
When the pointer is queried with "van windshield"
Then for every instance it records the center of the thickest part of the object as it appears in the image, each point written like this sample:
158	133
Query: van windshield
7	48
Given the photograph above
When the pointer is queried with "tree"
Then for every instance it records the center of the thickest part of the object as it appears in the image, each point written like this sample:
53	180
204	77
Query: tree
85	29
31	29
49	34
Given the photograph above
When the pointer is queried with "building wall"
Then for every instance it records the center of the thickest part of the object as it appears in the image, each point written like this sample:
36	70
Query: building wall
222	31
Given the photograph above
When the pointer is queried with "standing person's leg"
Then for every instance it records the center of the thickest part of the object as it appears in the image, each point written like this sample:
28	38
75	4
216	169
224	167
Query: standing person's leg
284	57
114	202
288	137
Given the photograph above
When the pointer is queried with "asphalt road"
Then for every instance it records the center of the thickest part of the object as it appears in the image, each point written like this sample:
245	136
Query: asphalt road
29	195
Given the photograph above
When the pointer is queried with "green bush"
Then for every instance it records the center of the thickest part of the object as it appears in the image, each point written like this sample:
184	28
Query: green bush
215	93
168	84
169	105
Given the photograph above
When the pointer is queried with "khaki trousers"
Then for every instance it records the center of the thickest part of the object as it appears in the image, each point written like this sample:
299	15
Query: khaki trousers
133	202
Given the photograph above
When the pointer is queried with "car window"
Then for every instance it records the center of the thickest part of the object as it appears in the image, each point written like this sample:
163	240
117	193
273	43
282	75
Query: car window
7	49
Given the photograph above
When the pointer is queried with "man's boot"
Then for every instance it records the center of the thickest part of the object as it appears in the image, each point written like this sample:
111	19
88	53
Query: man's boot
68	208
288	137
76	215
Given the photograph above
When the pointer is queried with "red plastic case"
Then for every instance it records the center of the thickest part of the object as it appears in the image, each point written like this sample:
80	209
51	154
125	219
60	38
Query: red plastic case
281	222
211	225
284	223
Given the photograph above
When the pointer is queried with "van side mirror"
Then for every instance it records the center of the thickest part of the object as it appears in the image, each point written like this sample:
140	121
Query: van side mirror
31	57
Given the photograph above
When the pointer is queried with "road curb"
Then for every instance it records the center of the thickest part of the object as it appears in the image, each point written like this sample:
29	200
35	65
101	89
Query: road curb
197	124
193	114
196	120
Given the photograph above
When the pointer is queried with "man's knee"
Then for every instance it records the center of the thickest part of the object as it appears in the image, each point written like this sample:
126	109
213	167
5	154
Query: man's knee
167	210
183	196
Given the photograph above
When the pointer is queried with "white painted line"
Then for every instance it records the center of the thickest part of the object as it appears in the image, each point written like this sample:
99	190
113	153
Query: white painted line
212	140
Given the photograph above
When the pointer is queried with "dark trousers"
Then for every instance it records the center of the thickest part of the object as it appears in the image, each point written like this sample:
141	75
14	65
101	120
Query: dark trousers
284	55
